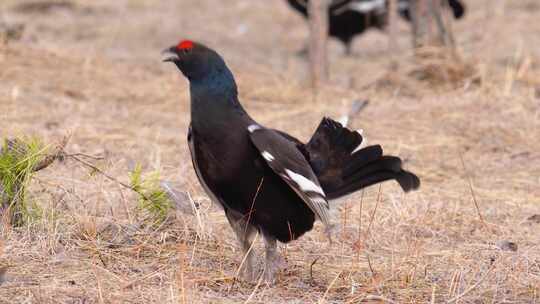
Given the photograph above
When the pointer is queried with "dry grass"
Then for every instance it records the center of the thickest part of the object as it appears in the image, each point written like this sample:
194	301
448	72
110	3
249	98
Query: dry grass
93	70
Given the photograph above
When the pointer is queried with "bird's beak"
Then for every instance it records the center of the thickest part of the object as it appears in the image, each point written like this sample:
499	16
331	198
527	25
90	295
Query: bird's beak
170	55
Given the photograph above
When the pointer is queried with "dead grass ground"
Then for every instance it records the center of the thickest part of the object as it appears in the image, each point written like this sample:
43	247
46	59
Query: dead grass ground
92	68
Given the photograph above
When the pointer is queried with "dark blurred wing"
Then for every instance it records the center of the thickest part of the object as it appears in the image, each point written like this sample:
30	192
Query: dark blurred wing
367	6
458	8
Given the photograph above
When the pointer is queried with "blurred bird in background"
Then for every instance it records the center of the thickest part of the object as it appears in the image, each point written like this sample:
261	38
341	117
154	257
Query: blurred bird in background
349	18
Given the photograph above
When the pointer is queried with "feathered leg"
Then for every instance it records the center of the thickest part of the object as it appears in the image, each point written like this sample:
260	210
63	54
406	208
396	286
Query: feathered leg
244	232
273	260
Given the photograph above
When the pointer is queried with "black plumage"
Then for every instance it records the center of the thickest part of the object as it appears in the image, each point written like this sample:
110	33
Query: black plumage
344	21
349	18
457	7
266	180
341	172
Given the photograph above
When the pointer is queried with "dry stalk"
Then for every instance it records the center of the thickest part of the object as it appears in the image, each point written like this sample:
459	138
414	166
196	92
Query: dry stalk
323	298
252	294
374	210
471	288
253	204
471	189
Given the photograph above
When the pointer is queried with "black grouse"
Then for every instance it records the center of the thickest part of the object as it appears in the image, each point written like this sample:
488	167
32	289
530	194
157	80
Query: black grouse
348	18
345	20
264	179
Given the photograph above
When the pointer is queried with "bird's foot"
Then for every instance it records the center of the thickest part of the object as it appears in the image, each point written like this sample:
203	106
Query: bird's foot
303	53
331	231
247	270
248	274
271	267
270	270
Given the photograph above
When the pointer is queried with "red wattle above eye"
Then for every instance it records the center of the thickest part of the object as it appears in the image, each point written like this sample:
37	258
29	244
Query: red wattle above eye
185	45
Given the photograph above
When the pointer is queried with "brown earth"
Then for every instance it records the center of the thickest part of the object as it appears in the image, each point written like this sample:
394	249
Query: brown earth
92	69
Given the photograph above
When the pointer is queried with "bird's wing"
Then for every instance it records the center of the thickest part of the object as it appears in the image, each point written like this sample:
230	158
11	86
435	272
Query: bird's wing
336	5
284	158
367	6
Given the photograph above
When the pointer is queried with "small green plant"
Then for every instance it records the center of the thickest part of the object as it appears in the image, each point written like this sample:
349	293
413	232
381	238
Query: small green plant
152	198
19	159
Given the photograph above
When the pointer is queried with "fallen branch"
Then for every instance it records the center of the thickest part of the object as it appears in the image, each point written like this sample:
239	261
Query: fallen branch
20	148
20	159
181	201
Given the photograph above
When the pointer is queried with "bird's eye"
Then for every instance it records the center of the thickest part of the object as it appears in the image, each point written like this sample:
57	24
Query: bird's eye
186	50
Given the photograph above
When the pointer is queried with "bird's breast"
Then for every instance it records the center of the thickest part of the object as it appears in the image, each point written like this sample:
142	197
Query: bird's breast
222	153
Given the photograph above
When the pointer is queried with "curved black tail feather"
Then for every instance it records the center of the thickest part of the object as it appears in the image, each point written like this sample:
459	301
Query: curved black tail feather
342	168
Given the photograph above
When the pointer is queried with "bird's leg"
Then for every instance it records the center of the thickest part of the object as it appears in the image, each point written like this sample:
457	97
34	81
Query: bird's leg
244	232
304	52
248	256
348	49
273	260
330	231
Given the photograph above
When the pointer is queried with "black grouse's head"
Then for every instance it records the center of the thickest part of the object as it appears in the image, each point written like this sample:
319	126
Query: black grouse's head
195	60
